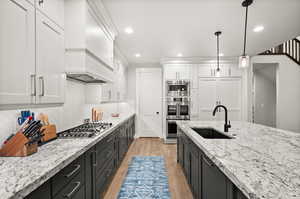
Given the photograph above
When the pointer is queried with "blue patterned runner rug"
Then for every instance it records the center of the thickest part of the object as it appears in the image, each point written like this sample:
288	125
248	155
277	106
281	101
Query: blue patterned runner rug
146	179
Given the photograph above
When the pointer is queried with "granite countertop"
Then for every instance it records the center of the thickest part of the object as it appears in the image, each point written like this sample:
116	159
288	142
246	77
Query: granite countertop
263	162
19	176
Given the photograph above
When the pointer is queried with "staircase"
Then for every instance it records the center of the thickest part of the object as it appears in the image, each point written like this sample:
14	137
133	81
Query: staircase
290	48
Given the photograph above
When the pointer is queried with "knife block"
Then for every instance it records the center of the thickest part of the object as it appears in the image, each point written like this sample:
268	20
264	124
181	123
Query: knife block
49	132
18	146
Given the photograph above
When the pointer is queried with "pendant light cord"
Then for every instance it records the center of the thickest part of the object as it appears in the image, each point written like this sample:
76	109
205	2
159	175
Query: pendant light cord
245	34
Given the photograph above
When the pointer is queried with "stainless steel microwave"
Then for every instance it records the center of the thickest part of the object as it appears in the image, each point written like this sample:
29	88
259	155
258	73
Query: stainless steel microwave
178	88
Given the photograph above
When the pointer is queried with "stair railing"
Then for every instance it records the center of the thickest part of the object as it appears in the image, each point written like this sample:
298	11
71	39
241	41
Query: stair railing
290	48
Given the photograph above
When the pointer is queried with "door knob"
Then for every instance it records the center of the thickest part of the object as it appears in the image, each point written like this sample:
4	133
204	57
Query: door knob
157	113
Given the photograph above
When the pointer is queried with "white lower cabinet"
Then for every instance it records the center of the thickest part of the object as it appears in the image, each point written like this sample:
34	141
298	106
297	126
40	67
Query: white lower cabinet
50	61
17	41
214	91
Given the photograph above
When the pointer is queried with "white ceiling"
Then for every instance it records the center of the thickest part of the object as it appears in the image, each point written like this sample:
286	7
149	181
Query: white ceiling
163	28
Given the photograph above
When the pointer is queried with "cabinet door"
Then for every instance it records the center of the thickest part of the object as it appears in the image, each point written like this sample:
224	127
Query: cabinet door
17	67
229	94
50	61
194	76
195	172
44	191
194	103
90	163
213	179
205	71
207	98
107	92
97	39
170	73
54	9
184	72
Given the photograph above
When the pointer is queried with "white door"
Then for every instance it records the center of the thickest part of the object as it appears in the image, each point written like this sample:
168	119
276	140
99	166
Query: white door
229	95
50	61
17	66
207	97
149	98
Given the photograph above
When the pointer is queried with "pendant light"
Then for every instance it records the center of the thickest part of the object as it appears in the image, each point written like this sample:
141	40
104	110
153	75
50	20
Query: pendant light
218	33
244	60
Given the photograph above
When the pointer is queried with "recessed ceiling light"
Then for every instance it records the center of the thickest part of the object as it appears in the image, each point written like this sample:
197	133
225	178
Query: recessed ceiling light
221	54
179	55
258	28
137	55
128	30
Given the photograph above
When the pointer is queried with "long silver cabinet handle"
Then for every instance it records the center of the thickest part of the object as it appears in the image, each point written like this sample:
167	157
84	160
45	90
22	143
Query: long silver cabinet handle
95	158
42	85
77	185
74	171
33	85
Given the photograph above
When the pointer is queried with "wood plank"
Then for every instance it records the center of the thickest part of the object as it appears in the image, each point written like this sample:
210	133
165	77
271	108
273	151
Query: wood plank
153	147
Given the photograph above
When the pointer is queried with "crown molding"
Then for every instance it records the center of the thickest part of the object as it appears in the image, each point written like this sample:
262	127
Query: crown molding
197	60
118	54
104	17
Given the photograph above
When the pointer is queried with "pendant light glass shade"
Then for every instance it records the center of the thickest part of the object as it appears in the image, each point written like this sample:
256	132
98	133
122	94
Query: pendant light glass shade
244	61
218	72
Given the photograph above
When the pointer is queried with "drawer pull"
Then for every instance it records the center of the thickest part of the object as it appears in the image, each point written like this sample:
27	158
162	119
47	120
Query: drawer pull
73	172
77	185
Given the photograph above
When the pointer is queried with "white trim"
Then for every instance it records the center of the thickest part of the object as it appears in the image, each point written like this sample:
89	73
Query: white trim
196	60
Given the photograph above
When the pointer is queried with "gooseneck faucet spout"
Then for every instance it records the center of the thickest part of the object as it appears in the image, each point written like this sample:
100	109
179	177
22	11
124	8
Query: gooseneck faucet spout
226	125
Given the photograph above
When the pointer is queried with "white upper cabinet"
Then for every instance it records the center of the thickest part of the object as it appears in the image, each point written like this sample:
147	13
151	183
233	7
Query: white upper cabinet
17	41
173	72
89	40
53	9
226	70
49	60
215	91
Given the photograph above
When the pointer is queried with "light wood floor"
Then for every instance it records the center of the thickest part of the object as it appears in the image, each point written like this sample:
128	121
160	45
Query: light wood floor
153	147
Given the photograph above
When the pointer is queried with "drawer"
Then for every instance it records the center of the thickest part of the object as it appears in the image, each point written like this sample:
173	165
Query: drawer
66	175
74	189
107	141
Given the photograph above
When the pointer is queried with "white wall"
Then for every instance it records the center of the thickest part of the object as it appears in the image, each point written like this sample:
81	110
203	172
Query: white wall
288	91
265	94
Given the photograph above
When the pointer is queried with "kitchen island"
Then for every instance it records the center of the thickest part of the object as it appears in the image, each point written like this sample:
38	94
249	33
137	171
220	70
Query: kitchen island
262	162
58	163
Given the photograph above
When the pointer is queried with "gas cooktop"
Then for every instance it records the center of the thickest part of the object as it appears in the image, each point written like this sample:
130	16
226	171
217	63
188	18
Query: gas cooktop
85	130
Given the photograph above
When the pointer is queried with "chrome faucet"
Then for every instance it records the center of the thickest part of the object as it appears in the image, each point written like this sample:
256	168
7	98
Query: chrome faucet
226	125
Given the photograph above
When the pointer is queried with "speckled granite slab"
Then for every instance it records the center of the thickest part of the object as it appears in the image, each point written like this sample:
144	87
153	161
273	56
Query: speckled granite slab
262	162
20	176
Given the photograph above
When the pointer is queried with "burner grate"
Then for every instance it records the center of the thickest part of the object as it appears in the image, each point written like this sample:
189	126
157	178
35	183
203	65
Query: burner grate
85	130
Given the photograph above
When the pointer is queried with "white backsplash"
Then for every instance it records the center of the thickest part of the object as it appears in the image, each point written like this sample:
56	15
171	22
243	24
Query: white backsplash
65	116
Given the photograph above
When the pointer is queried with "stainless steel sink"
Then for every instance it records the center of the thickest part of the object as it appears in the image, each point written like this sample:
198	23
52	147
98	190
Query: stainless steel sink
210	133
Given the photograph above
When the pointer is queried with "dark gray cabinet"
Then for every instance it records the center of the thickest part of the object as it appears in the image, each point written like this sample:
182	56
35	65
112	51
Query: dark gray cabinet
44	191
195	171
214	183
204	177
89	175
